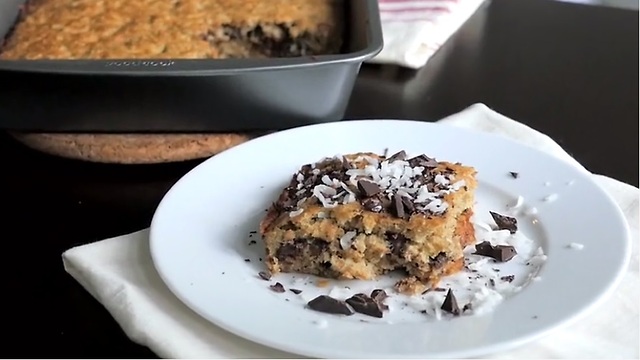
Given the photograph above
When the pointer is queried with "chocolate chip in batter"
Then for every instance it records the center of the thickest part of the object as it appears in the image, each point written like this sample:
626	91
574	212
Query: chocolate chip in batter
327	304
514	174
505	222
438	261
365	305
296	291
397	242
450	304
368	188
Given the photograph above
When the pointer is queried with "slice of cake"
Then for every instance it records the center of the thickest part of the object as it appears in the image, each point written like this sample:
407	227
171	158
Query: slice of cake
362	215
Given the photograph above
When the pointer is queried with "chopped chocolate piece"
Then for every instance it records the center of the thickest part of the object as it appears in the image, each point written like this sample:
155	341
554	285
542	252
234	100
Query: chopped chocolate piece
423	311
264	275
408	204
505	222
365	305
372	204
400	155
514	174
253	232
296	291
368	188
424	161
467	307
398	206
345	163
450	304
492	282
534	317
501	253
277	287
327	304
379	295
247	260
508	278
252	242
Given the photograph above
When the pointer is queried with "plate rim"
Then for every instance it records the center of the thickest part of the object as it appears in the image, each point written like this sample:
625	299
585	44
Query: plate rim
475	351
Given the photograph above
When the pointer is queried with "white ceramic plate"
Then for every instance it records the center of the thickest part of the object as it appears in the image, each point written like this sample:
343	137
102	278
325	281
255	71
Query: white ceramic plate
201	234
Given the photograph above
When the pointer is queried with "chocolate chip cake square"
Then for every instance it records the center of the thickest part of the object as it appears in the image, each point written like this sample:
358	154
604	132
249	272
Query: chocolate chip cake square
175	29
362	215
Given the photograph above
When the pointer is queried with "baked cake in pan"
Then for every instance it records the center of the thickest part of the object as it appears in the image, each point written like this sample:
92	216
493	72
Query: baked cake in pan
175	29
363	215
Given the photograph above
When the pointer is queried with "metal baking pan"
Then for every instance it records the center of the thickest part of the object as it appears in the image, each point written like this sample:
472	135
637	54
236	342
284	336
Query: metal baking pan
184	95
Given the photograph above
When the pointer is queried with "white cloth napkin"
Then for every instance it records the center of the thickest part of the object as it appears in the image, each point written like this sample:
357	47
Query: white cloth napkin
119	273
414	30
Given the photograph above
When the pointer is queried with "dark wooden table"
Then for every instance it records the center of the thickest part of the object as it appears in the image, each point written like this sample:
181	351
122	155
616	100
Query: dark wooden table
570	71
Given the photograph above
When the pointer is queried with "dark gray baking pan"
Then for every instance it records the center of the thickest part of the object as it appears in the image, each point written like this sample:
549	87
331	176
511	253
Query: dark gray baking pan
184	95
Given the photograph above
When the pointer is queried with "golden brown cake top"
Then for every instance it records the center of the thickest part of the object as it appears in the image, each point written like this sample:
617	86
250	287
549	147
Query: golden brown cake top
419	190
158	29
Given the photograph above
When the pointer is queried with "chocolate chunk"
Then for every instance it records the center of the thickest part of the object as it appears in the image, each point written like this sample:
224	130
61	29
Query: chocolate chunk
408	204
501	253
400	155
379	295
346	165
467	307
508	278
492	282
365	305
438	261
398	206
372	204
264	275
397	242
368	188
505	222
450	304
296	291
252	242
514	174
424	161
277	287
327	304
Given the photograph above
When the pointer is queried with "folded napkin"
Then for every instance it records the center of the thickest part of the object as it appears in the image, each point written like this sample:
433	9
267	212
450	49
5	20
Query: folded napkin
119	273
414	30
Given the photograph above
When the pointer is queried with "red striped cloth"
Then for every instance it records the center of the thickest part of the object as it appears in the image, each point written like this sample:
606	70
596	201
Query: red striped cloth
415	29
415	10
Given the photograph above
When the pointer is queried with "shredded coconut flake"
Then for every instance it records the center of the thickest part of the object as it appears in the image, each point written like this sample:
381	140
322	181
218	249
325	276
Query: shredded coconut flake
347	239
518	203
575	246
296	213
